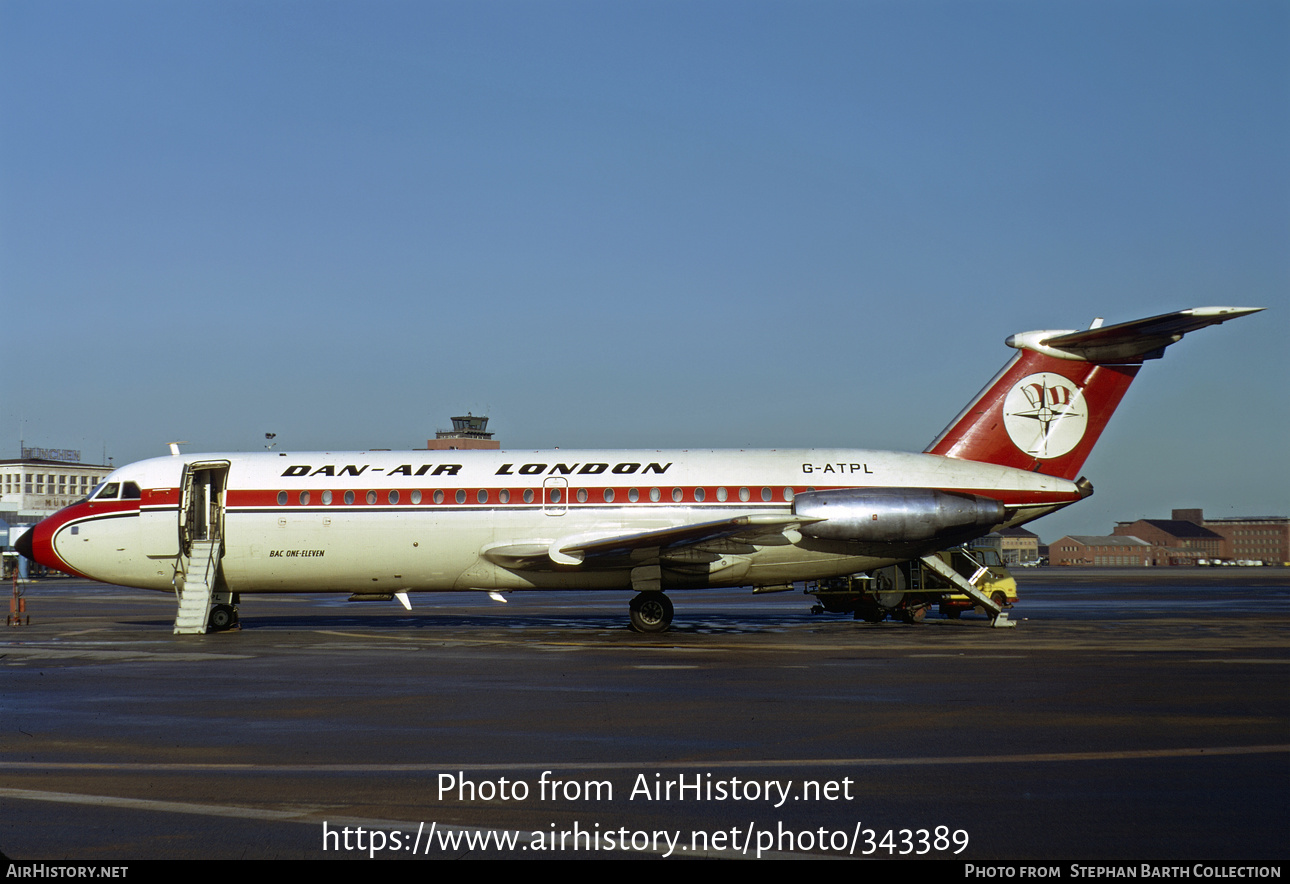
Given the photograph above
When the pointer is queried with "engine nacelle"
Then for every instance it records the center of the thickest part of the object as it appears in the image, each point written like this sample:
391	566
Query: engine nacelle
896	515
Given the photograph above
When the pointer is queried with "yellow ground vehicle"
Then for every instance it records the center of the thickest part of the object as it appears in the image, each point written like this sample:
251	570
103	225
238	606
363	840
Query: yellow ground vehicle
909	590
996	582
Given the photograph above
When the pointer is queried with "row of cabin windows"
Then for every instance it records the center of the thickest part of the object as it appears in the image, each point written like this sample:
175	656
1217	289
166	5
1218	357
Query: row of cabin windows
557	495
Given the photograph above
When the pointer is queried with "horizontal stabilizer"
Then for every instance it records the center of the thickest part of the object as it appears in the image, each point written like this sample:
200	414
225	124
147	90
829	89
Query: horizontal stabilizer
1126	342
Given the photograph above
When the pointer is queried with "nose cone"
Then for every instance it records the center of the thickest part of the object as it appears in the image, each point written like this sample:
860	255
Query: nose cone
38	543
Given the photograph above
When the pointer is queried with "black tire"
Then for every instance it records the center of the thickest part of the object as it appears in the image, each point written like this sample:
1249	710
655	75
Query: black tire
870	613
222	617
999	599
651	612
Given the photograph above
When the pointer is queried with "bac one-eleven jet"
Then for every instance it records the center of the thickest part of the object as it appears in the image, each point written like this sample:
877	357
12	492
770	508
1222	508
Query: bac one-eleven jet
379	524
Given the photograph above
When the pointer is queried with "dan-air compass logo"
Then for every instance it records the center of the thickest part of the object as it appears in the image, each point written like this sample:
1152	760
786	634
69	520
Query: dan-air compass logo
1045	415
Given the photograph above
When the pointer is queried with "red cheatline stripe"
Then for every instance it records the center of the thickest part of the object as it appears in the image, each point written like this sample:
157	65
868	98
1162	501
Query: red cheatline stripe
595	496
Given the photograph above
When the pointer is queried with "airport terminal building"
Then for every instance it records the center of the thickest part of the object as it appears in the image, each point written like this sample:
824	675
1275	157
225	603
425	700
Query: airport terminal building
43	481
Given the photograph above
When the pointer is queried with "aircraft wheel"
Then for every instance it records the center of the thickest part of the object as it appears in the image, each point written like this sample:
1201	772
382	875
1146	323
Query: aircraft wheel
222	617
870	614
651	612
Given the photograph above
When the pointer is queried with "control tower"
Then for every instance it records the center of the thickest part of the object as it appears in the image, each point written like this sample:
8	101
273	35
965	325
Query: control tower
467	432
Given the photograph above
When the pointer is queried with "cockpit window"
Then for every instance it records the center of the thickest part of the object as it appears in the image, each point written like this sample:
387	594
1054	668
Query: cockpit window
130	491
107	491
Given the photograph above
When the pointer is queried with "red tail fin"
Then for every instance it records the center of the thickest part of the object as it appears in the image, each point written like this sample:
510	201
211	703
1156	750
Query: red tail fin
1049	405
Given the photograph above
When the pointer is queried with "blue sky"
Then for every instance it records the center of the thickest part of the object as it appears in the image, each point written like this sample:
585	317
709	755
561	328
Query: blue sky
655	224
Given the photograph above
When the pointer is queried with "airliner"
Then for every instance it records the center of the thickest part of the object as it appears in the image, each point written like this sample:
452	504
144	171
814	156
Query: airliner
382	524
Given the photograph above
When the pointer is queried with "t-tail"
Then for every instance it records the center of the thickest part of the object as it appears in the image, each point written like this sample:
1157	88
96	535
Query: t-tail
1046	409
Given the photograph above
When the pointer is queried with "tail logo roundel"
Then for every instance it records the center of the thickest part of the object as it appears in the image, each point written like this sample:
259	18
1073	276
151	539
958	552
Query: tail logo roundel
1045	415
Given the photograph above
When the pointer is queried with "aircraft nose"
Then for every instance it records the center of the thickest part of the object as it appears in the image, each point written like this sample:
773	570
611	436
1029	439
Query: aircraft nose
23	544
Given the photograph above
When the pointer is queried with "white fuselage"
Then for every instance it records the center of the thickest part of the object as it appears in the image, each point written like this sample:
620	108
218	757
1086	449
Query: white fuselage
384	521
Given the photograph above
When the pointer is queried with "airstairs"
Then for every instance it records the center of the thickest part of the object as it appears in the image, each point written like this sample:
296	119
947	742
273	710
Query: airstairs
197	587
967	586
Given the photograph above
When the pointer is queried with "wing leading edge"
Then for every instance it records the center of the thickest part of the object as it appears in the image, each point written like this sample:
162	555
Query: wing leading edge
625	550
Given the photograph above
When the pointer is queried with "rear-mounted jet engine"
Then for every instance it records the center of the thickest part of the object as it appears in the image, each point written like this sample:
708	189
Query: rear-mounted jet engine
897	515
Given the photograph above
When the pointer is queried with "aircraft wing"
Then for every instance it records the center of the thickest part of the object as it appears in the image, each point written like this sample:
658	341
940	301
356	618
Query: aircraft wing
746	528
624	549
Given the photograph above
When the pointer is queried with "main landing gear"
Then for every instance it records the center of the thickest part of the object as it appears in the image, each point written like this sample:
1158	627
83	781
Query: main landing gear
651	612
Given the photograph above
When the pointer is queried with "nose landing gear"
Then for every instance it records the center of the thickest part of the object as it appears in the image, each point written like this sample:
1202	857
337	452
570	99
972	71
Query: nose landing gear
222	617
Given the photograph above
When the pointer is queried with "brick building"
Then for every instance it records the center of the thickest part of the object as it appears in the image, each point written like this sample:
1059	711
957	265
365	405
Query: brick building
1263	539
1088	549
1176	534
1247	538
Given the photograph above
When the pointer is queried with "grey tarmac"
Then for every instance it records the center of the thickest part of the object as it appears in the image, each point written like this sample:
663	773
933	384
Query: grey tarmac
1129	717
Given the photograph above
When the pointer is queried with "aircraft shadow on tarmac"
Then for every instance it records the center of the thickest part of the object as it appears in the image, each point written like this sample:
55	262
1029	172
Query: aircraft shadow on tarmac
696	624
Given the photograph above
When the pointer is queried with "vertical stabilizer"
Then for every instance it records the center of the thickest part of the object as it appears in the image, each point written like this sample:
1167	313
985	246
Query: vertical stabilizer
1046	409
